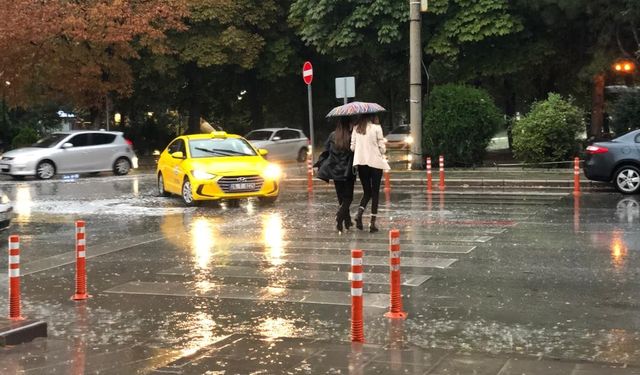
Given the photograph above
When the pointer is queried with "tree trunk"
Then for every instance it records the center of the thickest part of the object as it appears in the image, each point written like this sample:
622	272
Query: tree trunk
597	105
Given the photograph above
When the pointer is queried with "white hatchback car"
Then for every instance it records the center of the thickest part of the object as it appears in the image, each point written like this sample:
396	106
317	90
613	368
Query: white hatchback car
71	152
282	143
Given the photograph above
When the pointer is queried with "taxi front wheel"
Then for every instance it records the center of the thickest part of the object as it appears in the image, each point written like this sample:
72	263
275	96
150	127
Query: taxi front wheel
187	193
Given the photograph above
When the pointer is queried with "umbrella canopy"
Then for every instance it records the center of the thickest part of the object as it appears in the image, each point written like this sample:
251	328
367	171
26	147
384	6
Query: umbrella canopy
355	108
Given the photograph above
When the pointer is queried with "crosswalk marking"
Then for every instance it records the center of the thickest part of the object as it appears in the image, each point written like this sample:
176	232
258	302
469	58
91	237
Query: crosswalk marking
379	249
247	292
250	257
296	275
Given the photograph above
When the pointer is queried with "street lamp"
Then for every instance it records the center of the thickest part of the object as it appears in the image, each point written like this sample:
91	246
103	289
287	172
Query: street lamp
624	66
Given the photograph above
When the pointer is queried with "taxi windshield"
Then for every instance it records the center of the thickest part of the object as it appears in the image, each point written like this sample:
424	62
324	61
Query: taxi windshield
216	147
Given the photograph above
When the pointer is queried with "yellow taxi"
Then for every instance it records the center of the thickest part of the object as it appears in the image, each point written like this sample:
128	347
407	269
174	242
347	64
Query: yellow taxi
216	166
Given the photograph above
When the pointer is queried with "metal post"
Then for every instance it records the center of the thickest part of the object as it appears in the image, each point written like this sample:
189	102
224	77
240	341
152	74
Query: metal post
345	91
415	81
310	120
106	105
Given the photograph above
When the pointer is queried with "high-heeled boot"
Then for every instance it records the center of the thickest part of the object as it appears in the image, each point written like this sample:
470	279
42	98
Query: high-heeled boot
347	220
339	220
372	226
359	218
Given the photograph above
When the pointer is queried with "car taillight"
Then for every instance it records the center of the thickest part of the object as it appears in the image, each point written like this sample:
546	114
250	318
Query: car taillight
596	150
129	142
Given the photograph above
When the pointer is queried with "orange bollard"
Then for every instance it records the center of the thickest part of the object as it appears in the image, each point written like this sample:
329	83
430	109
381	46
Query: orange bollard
14	277
387	182
81	272
395	310
357	323
441	164
429	177
309	167
576	176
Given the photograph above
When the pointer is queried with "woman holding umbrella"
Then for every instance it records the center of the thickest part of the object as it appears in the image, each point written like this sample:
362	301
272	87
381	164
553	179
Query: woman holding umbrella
338	166
367	143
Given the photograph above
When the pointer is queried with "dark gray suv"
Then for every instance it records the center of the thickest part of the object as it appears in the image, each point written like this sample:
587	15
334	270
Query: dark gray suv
616	161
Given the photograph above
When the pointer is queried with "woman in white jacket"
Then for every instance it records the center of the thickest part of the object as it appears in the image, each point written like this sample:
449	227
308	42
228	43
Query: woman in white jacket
367	144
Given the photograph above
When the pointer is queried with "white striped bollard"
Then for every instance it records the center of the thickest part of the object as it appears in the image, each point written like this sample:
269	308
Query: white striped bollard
395	310
357	323
81	271
14	277
441	164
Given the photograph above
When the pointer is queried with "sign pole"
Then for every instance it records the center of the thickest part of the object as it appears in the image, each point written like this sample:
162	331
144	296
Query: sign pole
307	77
310	119
345	91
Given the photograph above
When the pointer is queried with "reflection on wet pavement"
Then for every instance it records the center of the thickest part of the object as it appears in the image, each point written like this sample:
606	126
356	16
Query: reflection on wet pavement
493	273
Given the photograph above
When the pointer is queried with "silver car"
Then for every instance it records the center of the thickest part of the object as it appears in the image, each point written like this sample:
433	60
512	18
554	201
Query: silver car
71	152
282	143
6	211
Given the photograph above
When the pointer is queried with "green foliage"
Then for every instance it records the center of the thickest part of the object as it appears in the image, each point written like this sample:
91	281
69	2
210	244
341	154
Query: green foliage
463	22
26	136
626	113
548	132
459	122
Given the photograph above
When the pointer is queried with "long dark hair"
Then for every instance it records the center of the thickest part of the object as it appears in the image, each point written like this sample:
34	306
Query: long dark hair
361	123
343	134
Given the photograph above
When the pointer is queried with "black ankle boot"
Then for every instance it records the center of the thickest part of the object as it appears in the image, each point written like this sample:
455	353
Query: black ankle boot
347	221
372	226
359	218
339	220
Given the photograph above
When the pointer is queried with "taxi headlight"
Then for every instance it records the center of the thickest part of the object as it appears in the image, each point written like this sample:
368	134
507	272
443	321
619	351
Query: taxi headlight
201	175
272	172
409	139
4	199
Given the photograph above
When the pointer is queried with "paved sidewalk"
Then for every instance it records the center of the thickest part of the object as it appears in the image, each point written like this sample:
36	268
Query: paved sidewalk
245	354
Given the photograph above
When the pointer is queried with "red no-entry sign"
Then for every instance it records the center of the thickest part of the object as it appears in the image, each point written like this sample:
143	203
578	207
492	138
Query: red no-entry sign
307	72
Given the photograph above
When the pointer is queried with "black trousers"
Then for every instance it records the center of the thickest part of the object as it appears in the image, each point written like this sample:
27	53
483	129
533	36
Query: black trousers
344	191
370	179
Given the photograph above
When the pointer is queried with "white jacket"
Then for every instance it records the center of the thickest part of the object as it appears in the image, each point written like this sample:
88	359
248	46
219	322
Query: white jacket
368	148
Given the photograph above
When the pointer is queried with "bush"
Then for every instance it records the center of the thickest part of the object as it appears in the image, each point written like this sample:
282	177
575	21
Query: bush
459	122
548	132
26	137
626	113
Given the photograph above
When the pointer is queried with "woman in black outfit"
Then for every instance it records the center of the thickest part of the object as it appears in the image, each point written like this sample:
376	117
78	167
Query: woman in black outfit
338	166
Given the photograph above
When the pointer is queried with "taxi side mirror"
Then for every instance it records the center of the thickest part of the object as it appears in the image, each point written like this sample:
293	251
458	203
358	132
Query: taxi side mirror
276	138
67	145
177	155
263	151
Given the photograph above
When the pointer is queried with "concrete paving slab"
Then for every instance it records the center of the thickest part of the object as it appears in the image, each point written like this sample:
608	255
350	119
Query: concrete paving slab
297	275
374	300
14	332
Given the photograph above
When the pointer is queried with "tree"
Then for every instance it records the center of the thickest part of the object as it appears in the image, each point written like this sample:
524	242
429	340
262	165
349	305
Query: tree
626	113
548	132
79	52
459	122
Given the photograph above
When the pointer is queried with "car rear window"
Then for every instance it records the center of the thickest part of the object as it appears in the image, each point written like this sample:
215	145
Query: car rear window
102	138
259	135
220	147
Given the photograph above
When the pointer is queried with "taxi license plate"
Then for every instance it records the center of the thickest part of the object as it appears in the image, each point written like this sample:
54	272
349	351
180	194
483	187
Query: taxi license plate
243	186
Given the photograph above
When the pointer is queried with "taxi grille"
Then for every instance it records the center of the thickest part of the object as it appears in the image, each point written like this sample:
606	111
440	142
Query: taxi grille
240	184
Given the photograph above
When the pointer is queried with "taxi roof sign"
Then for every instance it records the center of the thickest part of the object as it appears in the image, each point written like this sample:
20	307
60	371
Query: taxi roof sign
218	134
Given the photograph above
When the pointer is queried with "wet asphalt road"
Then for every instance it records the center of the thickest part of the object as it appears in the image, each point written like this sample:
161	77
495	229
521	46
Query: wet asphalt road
539	274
